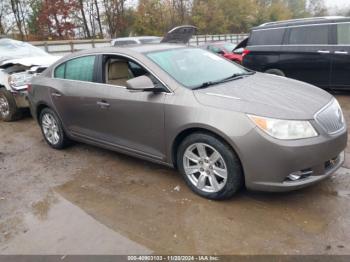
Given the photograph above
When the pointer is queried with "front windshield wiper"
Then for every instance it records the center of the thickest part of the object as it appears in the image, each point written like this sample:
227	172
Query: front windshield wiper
227	79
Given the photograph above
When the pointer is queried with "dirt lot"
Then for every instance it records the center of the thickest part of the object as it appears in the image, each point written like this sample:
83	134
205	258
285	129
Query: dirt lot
85	200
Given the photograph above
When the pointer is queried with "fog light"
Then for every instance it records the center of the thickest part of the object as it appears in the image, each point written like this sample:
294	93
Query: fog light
298	175
295	176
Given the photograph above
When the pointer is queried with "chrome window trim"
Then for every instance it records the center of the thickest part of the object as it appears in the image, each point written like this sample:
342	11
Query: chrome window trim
320	125
170	91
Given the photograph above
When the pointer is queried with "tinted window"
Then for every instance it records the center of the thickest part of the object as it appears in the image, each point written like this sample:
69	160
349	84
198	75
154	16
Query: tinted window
267	37
81	69
309	35
60	70
343	34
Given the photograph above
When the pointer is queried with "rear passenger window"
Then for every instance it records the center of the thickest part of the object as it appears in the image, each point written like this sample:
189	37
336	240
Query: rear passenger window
267	37
60	70
81	69
309	35
343	34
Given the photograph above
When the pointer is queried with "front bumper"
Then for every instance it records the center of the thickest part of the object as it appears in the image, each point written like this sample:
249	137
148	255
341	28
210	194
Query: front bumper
267	162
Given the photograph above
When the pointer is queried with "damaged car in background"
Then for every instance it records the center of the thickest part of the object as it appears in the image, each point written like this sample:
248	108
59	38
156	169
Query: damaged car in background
19	62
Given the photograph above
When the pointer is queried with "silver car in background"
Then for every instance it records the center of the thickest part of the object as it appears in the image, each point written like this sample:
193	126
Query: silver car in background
221	125
137	40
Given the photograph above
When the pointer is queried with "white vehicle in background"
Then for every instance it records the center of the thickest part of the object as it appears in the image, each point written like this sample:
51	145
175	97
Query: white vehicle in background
19	62
137	40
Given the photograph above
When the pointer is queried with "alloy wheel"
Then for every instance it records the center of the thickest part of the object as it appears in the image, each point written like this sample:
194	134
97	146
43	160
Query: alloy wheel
50	128
4	106
205	167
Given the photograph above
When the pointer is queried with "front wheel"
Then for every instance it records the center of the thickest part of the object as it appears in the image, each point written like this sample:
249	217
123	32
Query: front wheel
8	108
52	129
209	166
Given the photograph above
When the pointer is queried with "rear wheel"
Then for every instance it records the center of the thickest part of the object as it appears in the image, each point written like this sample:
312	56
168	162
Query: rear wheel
209	166
52	129
8	108
275	72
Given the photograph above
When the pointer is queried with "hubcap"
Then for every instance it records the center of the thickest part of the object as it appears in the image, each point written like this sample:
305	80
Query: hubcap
205	167
4	107
50	129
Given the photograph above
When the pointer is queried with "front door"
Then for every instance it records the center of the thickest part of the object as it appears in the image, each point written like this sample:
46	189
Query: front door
128	119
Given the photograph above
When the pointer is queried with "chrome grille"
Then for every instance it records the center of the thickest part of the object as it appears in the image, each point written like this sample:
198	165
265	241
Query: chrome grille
331	118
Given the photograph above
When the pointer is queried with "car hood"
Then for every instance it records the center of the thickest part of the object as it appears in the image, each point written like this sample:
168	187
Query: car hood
45	61
266	95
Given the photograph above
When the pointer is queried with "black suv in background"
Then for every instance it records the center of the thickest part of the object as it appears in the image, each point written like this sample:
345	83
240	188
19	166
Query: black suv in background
313	50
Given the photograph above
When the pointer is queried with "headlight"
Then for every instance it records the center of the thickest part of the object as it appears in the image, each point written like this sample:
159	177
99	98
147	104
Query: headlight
19	80
284	129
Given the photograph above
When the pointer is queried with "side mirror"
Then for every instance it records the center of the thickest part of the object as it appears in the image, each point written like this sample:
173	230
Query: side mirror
142	84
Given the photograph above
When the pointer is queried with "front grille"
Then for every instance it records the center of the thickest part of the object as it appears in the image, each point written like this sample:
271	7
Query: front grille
331	118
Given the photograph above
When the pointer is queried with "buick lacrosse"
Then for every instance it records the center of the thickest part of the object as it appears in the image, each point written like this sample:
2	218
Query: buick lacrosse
222	126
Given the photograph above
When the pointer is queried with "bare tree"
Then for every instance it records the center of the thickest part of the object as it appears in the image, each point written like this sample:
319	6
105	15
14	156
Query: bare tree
16	10
114	12
98	18
82	11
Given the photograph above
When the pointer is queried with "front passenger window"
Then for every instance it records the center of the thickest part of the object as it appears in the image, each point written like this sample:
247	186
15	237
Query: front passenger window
118	70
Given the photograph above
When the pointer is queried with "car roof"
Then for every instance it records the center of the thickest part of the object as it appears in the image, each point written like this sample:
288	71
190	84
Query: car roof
131	50
303	21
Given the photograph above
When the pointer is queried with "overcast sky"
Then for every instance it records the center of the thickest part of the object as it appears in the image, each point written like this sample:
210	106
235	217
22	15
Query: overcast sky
337	3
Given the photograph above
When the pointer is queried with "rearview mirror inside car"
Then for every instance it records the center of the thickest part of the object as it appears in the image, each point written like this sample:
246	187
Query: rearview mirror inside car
142	83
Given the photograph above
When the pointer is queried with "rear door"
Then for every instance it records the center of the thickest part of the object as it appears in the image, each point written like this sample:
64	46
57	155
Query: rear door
74	94
340	78
306	54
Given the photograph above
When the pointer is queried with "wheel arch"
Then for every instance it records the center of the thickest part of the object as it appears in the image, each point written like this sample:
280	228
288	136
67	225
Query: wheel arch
199	129
39	108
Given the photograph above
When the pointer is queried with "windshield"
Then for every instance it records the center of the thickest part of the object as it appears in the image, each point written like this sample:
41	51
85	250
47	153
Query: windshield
12	49
192	67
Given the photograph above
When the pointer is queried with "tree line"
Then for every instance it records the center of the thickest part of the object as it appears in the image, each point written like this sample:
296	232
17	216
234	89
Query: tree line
85	19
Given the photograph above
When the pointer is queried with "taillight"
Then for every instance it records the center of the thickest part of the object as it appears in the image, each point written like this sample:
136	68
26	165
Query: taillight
29	87
245	52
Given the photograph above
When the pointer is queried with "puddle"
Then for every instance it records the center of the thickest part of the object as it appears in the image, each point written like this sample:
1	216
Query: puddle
66	229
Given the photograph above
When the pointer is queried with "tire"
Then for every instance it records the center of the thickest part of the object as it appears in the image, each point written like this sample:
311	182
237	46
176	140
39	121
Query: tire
52	129
275	72
200	176
8	108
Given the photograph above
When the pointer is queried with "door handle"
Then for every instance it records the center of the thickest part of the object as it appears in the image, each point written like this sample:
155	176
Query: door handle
103	104
56	94
323	52
341	52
